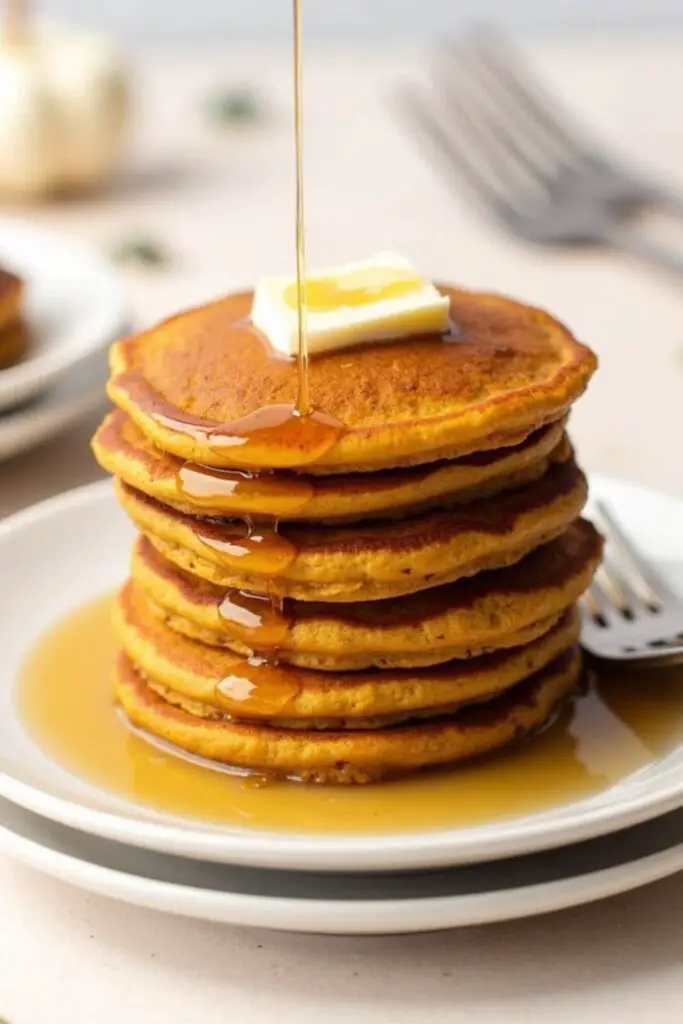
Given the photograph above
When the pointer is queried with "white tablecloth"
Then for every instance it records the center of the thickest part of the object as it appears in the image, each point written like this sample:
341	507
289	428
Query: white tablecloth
222	202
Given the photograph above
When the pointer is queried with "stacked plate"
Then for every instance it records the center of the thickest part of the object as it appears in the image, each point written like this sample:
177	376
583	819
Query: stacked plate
627	834
73	307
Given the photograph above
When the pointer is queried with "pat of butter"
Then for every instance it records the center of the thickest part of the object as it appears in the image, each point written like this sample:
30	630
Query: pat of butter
379	299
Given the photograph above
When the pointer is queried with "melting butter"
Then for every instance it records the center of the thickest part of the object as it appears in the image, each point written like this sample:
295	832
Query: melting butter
378	299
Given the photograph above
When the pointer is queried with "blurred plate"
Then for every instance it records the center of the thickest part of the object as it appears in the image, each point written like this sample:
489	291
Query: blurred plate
74	304
70	400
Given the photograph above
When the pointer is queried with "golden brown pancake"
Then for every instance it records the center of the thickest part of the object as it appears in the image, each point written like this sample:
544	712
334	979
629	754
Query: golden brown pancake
504	371
11	294
352	756
215	677
123	450
502	608
366	561
14	343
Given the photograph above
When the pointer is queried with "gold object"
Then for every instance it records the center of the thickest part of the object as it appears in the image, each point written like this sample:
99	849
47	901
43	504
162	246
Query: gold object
62	107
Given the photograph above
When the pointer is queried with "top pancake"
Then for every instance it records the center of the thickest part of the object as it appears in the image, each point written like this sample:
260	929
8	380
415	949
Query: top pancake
505	370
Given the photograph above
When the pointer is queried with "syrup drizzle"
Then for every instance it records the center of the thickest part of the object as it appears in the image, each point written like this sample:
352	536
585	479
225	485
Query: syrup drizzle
324	295
277	436
281	436
284	436
208	488
303	406
259	620
258	689
258	548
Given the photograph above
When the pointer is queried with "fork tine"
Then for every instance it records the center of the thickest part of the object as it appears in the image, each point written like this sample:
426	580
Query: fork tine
452	79
618	592
646	583
632	602
599	604
422	117
591	606
520	122
492	146
503	64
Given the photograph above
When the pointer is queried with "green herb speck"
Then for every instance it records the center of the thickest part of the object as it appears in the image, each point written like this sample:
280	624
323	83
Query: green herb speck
145	251
233	106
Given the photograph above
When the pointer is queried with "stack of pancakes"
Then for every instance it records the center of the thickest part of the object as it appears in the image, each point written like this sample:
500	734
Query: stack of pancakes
404	598
13	332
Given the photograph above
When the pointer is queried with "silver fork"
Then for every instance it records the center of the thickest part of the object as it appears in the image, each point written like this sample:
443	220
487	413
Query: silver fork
534	112
535	192
630	613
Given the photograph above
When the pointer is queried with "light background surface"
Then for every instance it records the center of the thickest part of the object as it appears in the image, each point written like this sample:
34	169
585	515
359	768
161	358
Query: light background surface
150	20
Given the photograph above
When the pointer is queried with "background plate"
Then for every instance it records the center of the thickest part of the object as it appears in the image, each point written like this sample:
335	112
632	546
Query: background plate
72	398
74	303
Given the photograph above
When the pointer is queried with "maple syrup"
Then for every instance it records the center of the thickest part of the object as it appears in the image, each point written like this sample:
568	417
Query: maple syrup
259	620
277	436
620	725
324	295
303	406
283	436
208	489
258	689
257	547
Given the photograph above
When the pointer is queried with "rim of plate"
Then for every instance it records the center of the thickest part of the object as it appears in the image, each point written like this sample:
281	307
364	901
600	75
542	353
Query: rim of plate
73	397
37	372
346	915
308	851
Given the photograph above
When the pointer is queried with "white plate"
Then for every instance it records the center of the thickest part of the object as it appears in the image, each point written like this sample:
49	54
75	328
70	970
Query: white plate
72	398
348	904
74	305
56	550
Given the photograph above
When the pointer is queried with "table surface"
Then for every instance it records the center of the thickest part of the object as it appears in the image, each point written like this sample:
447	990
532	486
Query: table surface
221	202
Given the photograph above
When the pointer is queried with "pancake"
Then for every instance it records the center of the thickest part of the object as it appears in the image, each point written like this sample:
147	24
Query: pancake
215	677
122	449
14	343
352	756
11	294
502	608
365	561
505	370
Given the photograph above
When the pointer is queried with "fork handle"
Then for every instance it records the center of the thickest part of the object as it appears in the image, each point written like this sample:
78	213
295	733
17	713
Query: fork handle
630	241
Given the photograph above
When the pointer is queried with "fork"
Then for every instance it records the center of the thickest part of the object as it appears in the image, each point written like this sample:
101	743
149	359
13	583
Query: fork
540	116
537	193
629	613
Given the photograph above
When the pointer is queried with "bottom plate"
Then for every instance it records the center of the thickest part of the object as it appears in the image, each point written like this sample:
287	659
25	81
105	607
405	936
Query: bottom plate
56	550
348	904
